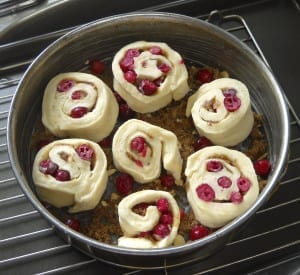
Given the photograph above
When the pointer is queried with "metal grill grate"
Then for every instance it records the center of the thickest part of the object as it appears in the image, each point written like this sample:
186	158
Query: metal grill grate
28	242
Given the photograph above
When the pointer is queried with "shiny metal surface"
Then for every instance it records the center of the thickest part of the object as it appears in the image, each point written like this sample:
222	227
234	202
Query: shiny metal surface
11	6
63	14
196	40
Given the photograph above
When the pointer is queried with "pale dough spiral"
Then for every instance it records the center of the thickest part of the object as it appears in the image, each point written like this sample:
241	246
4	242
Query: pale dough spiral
220	210
213	120
88	179
174	86
161	146
96	96
132	224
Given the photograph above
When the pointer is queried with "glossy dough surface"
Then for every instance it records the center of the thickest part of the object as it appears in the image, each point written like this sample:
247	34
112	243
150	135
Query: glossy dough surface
213	120
88	179
219	211
133	224
95	95
174	85
160	146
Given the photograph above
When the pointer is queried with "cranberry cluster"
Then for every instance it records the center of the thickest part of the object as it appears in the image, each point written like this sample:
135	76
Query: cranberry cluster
48	167
64	86
206	192
145	86
163	228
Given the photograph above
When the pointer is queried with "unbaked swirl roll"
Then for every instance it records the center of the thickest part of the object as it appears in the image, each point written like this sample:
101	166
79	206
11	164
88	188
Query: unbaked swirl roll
153	224
140	147
221	111
148	75
79	105
70	172
221	185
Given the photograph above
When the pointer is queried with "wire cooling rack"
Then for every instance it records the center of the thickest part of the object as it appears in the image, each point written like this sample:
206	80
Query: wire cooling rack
29	244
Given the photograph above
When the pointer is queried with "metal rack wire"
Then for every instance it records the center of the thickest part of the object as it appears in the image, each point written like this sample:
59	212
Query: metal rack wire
28	241
10	6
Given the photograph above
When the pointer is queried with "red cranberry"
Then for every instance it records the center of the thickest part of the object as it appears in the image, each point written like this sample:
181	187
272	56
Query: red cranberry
166	218
124	184
167	180
201	143
160	231
262	167
85	152
74	224
164	68
125	111
139	145
224	182
156	50
204	76
147	87
243	184
162	205
65	85
76	95
48	167
79	112
126	64
62	175
232	103
106	142
198	232
119	98
236	197
132	53
97	67
205	192
130	76
229	92
214	166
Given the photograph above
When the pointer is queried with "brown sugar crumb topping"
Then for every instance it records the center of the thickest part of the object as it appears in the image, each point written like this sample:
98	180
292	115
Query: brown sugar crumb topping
104	223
